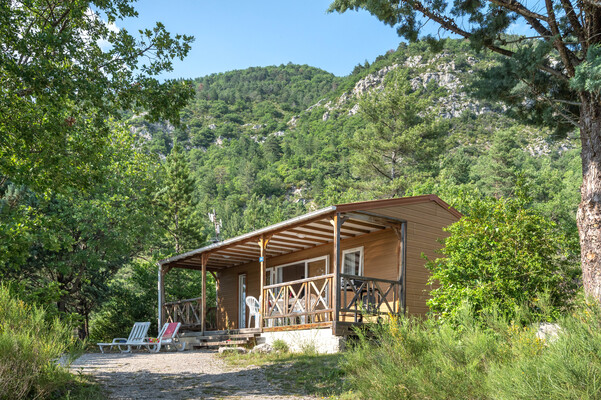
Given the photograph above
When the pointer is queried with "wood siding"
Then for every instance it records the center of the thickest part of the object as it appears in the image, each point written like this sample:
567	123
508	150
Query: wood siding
425	224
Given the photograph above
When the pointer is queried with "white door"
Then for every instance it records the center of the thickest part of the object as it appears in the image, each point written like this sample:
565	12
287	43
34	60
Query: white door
241	301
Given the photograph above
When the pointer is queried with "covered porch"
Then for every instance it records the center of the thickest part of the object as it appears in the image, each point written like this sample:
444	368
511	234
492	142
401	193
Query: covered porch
303	272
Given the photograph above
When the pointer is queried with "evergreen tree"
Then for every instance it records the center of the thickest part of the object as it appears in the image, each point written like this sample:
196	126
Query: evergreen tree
177	203
401	139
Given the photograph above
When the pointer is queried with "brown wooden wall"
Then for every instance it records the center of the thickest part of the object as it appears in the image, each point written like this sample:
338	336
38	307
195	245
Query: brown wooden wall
424	230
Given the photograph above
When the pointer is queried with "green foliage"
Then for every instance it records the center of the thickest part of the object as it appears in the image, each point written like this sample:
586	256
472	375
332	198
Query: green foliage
415	359
401	138
499	256
588	73
83	238
566	367
31	343
280	346
175	199
65	74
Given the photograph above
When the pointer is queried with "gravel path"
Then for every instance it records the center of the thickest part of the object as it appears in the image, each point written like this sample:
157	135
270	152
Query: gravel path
171	375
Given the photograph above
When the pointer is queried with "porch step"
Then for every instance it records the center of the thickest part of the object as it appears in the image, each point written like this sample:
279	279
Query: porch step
233	336
221	343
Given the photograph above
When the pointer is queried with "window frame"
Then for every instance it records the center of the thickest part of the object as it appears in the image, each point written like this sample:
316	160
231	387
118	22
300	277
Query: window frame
274	270
360	249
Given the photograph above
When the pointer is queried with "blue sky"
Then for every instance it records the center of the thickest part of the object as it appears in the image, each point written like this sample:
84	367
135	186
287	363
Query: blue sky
240	34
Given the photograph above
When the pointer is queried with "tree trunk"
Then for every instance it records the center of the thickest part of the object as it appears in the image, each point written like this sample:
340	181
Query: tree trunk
589	211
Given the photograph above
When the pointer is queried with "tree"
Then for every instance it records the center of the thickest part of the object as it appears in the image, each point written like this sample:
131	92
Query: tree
550	78
81	239
501	256
177	204
66	70
401	139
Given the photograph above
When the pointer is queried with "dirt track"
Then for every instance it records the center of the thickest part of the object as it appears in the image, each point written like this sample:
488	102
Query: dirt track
174	375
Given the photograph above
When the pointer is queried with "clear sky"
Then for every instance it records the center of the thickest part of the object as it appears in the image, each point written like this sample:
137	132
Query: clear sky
240	34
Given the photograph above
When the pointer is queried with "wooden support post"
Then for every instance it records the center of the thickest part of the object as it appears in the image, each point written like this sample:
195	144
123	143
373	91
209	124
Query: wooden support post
161	293
204	259
401	232
263	241
337	222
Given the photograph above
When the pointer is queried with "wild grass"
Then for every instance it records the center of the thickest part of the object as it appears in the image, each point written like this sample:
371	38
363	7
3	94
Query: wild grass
410	358
297	373
414	359
33	353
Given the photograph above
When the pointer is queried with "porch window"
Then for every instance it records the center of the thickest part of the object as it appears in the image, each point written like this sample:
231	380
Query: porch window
352	263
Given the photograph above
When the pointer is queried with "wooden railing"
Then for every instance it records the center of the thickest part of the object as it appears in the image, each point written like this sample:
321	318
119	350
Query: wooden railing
188	312
362	296
300	302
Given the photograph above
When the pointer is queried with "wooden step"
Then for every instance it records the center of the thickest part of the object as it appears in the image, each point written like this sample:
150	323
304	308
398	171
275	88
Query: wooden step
221	343
225	337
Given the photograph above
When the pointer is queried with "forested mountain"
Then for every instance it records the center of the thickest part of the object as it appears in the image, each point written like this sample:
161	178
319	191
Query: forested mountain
268	143
264	144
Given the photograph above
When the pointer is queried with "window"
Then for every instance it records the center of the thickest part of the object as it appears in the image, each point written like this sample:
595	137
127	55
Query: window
352	261
298	270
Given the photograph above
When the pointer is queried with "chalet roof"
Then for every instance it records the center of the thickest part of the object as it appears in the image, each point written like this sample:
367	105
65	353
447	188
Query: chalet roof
303	232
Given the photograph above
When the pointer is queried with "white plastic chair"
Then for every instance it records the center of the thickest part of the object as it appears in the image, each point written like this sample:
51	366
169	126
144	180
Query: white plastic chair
255	309
137	337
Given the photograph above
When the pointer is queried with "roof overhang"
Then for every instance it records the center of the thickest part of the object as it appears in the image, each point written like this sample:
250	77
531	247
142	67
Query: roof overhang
299	233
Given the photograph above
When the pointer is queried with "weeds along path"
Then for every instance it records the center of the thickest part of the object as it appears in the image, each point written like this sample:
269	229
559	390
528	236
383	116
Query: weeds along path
172	375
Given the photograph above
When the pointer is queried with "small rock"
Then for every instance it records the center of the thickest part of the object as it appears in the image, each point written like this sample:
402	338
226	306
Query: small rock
548	331
262	348
239	350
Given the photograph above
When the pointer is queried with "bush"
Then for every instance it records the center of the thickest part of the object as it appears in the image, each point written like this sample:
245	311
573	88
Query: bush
280	346
414	359
502	255
498	360
568	367
30	347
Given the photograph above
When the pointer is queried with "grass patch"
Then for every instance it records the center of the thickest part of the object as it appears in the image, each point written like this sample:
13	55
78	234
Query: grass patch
34	349
303	373
496	360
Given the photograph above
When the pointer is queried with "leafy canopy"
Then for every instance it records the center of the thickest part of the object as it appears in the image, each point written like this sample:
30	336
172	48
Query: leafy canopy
65	70
500	257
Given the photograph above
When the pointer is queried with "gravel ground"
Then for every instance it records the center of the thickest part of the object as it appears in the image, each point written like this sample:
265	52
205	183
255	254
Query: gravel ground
174	375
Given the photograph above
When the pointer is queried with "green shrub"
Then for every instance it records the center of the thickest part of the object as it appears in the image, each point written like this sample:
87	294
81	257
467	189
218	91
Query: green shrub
415	359
30	347
469	359
500	257
280	346
567	367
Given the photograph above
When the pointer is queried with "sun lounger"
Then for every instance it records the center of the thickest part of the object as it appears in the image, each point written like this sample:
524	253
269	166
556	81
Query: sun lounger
168	337
137	338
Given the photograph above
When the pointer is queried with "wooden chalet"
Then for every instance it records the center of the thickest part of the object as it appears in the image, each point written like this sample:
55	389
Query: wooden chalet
315	275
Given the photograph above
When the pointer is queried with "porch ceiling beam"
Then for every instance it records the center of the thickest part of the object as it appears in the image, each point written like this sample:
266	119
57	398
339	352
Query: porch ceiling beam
294	239
310	232
365	224
283	244
345	227
221	262
240	252
316	229
375	218
253	247
234	259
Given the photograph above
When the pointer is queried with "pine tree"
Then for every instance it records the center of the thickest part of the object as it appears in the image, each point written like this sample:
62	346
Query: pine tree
176	200
401	139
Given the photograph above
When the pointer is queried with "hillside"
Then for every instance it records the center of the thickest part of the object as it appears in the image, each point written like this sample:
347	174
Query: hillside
269	143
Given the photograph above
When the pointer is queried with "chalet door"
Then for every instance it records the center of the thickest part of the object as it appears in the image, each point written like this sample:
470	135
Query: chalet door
241	301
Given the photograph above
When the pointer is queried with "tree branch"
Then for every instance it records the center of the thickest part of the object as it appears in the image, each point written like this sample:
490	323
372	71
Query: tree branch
558	43
448	24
